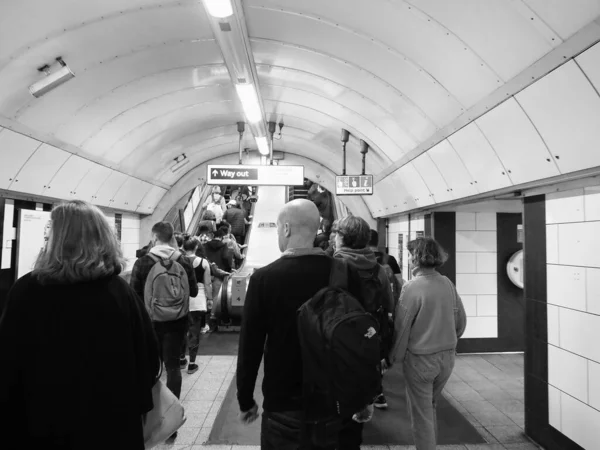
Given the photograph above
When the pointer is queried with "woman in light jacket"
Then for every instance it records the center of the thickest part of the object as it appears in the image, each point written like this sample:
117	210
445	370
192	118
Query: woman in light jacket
430	318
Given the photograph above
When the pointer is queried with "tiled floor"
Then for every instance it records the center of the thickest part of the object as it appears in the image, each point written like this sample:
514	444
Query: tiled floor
487	389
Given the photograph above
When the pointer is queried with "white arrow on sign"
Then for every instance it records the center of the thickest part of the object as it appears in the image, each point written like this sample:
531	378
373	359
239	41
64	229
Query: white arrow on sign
215	173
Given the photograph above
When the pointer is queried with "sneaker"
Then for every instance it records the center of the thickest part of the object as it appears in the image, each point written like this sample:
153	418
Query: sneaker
380	402
183	363
204	329
193	368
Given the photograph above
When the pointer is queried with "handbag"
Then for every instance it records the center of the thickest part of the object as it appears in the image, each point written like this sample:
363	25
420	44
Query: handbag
167	416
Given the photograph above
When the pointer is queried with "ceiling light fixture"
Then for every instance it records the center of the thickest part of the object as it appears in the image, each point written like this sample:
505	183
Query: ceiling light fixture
219	8
180	161
263	145
52	80
249	99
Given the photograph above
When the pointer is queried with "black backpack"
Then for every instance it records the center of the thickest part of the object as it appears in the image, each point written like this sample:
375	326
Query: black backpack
340	356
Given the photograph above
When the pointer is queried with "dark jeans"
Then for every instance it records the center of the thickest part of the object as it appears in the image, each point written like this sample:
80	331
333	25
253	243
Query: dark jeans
197	319
282	431
170	336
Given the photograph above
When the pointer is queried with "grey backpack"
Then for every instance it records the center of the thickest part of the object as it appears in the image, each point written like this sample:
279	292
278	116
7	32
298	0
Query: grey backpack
167	290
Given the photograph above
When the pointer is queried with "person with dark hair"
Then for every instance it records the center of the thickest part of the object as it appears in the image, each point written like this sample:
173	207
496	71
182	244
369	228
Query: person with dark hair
235	217
170	333
218	253
208	222
232	244
83	321
430	319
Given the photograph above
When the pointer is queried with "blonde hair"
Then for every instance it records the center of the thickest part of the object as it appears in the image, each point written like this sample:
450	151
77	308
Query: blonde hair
81	246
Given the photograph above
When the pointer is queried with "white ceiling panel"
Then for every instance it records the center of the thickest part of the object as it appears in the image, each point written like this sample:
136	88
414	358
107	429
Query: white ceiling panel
479	158
283	57
479	25
565	109
386	198
589	62
67	178
565	17
517	143
150	201
146	89
130	194
309	34
15	150
108	190
433	178
89	185
39	170
455	173
112	130
413	183
396	32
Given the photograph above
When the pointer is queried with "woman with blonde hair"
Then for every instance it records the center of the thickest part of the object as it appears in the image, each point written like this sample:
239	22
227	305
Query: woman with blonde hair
430	318
96	356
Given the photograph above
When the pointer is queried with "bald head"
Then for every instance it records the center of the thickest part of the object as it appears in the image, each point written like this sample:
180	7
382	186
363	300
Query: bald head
297	224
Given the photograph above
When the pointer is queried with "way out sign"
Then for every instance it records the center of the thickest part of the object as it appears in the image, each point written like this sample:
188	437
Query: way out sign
255	175
354	185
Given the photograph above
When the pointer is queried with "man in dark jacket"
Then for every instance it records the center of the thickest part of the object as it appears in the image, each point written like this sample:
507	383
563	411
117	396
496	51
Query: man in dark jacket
235	216
275	293
352	237
172	333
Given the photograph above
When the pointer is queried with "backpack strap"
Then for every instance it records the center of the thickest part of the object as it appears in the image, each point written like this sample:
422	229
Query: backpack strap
153	257
175	256
338	277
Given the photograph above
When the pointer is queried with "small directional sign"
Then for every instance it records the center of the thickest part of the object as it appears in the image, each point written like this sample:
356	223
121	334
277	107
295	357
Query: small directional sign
354	185
255	175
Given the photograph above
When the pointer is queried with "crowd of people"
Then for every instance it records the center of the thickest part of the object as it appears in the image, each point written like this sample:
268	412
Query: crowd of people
84	321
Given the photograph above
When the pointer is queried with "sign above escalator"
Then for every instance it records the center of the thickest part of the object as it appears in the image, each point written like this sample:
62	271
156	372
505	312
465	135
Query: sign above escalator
354	185
236	174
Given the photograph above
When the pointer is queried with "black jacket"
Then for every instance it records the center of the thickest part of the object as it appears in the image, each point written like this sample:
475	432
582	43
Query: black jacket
235	217
96	359
217	252
274	294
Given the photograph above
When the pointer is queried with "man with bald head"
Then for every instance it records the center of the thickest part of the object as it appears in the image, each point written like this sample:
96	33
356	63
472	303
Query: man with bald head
275	293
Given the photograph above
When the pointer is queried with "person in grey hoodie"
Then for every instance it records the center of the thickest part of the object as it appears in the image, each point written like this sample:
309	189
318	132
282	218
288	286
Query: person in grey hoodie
430	318
351	243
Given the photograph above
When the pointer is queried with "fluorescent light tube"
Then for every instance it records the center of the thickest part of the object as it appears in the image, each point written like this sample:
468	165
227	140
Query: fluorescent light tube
51	81
249	99
219	8
263	145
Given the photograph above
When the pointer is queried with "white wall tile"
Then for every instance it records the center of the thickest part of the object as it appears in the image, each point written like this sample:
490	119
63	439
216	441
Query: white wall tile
487	262
592	203
552	244
487	305
594	380
592	278
470	304
130	236
566	286
465	222
481	283
476	241
568	372
485	221
563	207
554	407
579	333
580	422
130	221
578	244
553	325
466	262
481	327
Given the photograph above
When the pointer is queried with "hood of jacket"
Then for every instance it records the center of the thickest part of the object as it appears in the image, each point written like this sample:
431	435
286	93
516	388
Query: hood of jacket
163	251
362	259
215	245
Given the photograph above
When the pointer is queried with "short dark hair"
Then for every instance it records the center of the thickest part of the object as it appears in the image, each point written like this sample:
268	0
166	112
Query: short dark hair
374	240
224	224
221	231
180	238
426	252
190	243
354	231
164	231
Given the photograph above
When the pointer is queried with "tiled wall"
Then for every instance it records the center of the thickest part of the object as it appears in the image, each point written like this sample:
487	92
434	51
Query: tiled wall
130	237
573	291
399	225
476	272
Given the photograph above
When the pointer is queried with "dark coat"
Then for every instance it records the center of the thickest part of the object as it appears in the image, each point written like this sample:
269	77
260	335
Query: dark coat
78	365
235	216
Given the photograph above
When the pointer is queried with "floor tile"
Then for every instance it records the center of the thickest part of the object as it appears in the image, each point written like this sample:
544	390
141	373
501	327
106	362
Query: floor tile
522	446
485	446
485	434
196	406
509	405
508	434
194	420
186	436
203	435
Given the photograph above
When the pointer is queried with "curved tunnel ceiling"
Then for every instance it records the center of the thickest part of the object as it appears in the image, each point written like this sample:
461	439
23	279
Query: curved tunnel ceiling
408	77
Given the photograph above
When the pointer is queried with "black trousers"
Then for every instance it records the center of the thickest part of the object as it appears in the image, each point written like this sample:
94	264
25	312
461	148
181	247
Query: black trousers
282	431
170	337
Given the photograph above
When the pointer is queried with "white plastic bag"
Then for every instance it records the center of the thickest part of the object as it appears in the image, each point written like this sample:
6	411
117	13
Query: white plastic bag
165	418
